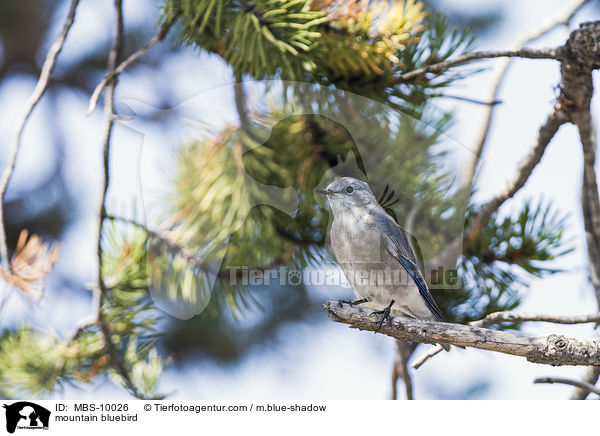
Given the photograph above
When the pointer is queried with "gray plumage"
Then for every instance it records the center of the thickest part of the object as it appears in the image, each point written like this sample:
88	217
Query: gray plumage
368	244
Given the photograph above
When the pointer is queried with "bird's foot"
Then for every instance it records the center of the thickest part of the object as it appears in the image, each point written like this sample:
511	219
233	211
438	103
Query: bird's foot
355	302
385	315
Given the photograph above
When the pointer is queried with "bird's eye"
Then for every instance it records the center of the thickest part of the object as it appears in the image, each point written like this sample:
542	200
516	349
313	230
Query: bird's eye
349	189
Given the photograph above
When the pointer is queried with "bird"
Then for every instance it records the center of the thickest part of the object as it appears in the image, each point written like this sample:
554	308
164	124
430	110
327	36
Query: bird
367	242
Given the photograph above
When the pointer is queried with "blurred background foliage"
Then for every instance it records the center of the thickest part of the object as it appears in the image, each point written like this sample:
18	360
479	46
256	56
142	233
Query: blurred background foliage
215	209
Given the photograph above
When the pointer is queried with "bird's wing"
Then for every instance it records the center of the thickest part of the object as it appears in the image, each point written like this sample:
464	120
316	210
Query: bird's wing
401	250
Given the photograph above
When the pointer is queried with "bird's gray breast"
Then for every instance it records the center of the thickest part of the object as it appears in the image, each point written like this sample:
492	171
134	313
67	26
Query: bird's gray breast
356	241
361	249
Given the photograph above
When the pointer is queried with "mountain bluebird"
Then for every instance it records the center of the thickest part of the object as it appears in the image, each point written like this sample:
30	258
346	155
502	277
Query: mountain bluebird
375	255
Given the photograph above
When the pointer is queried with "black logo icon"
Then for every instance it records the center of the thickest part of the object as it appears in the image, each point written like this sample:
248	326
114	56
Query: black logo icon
26	415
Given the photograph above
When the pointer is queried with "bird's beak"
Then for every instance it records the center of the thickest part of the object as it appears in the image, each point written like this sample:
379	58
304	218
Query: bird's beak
323	191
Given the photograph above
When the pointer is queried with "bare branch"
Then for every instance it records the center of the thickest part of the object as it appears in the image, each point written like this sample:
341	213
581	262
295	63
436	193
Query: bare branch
426	356
478	222
560	17
590	206
530	53
162	33
101	289
38	92
500	317
589	198
552	350
566	381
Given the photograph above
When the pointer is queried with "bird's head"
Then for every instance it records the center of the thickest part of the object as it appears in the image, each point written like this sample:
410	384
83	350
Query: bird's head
347	193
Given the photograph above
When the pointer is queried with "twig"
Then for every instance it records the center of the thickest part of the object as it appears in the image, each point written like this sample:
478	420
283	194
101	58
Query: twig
561	17
530	53
426	356
565	381
162	33
100	289
552	350
38	92
500	317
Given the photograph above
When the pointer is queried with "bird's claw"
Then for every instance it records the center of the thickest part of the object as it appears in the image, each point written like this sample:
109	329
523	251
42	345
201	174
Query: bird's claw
385	315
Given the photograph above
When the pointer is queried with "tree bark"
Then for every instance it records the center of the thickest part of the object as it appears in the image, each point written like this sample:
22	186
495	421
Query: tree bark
550	350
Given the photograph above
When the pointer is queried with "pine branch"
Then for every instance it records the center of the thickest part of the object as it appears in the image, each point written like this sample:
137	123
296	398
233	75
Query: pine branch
162	33
440	67
171	246
551	350
500	317
38	92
